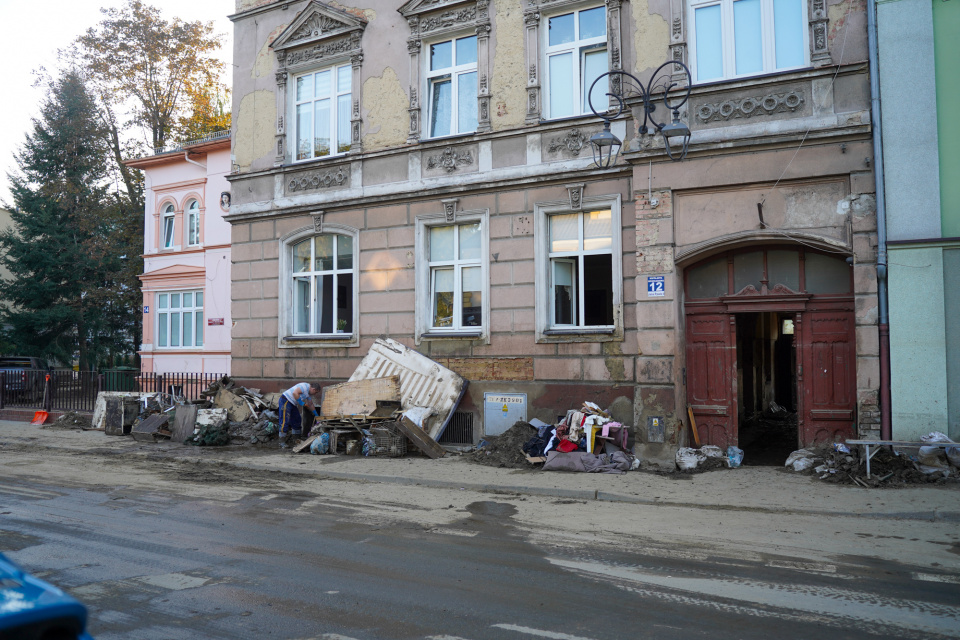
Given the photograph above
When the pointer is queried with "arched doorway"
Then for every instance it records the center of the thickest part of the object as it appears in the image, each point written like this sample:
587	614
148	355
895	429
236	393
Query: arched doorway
771	349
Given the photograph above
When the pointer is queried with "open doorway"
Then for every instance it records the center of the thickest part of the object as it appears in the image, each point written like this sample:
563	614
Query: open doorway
766	388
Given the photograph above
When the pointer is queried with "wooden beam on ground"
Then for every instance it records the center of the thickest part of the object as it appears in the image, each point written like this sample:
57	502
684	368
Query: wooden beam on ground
420	438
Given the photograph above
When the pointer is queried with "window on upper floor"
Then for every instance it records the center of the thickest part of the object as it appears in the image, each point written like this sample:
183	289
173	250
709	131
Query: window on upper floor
324	269
322	103
169	222
579	268
193	223
575	54
179	319
737	38
452	87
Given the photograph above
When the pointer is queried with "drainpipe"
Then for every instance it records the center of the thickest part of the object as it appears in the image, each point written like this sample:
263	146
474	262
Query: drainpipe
884	324
186	156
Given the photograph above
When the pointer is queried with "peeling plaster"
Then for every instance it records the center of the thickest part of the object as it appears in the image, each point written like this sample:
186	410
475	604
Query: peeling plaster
613	361
386	104
509	66
367	14
263	65
254	132
651	39
243	5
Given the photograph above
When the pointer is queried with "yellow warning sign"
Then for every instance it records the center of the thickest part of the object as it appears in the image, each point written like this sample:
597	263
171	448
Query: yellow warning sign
504	408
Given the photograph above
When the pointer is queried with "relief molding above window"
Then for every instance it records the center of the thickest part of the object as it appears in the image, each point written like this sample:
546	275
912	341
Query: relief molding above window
435	19
320	36
533	18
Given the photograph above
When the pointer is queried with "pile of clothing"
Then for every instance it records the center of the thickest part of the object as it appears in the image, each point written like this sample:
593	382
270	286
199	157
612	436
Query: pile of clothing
589	434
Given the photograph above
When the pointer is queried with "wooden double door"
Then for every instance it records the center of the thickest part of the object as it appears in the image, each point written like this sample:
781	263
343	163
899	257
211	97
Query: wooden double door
826	375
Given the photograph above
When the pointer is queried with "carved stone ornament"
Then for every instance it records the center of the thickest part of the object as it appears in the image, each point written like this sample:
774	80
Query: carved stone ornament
318	222
316	26
317	22
318	180
533	73
572	143
575	192
450	160
677	28
448	19
319	51
752	106
450	208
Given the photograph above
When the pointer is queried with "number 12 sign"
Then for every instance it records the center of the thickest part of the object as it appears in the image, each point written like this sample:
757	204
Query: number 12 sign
656	288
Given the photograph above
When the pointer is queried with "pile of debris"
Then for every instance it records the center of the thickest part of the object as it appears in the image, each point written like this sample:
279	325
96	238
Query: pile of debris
250	416
70	420
585	440
889	466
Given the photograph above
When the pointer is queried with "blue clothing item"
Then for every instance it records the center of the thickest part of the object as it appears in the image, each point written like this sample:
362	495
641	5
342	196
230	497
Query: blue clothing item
290	420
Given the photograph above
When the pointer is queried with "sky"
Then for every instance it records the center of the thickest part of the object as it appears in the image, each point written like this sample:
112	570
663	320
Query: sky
29	39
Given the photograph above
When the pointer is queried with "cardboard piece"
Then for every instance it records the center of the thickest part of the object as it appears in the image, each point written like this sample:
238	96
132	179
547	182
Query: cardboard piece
237	409
359	398
303	446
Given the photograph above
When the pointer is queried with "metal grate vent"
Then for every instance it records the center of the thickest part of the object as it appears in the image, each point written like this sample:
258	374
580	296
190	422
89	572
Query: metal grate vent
460	429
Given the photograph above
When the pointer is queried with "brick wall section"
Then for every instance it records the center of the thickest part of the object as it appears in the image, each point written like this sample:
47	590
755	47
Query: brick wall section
387	267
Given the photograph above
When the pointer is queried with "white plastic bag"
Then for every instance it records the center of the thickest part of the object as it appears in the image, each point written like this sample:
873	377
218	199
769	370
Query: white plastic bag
935	436
953	455
711	451
688	458
801	460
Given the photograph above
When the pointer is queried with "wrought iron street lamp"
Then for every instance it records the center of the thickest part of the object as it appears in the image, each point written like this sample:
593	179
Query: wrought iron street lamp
676	134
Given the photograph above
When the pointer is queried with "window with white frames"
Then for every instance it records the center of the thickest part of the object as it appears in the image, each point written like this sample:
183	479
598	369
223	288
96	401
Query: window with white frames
193	223
452	87
179	319
323	285
456	277
735	38
169	218
575	55
579	278
322	112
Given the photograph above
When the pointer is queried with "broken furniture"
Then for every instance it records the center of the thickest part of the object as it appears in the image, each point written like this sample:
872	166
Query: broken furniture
866	444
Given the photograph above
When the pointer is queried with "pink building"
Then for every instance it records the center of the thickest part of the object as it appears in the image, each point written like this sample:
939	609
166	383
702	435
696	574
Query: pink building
186	278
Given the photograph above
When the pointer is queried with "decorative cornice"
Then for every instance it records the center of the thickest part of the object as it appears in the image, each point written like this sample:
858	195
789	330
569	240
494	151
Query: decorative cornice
317	22
448	19
320	51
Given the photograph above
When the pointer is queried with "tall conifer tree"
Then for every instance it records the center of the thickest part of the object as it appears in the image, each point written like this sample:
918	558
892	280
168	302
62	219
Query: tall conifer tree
63	292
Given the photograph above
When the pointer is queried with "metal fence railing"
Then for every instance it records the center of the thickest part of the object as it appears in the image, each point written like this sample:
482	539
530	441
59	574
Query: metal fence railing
68	390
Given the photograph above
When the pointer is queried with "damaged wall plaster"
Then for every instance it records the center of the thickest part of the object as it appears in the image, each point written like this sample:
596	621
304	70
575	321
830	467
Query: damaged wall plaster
255	129
651	38
263	65
509	75
367	14
385	103
243	5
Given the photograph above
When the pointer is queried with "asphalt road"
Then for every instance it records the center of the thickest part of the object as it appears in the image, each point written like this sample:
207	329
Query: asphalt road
200	555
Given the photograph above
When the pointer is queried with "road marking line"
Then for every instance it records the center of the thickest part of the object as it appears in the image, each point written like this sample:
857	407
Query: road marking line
933	577
30	493
455	532
814	567
539	632
445	638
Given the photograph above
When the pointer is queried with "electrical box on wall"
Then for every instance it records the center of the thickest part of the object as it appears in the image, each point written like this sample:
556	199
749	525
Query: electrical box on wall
502	410
655	428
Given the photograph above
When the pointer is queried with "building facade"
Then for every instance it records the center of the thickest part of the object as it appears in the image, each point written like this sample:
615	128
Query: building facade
186	277
425	172
918	48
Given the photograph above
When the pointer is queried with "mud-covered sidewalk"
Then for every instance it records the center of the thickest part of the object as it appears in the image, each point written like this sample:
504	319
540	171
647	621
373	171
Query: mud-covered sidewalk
755	489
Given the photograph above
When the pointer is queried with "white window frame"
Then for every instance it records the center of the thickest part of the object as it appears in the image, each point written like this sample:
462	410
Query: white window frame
163	302
424	276
334	96
455	72
192	216
578	47
287	313
547	331
728	42
168	240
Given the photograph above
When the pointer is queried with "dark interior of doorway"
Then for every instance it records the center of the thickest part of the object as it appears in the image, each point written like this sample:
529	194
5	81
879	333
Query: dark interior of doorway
767	388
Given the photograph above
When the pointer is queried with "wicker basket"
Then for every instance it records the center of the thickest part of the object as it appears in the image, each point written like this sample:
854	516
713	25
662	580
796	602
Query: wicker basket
390	443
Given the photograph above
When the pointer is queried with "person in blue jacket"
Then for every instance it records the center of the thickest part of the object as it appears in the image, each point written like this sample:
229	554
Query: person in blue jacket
299	395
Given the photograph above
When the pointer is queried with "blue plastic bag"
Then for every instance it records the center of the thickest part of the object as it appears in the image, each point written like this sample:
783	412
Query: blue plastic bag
734	456
321	445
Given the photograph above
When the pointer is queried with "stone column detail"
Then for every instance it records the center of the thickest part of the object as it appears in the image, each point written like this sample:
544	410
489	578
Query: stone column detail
819	50
531	20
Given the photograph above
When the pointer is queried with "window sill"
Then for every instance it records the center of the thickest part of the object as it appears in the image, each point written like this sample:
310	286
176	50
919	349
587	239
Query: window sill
579	332
461	335
339	337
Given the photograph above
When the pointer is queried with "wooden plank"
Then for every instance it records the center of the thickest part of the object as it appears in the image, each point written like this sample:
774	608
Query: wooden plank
305	444
358	397
185	422
420	438
144	432
693	425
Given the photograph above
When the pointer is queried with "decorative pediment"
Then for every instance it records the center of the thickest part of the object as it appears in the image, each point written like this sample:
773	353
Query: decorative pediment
315	23
184	271
417	7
